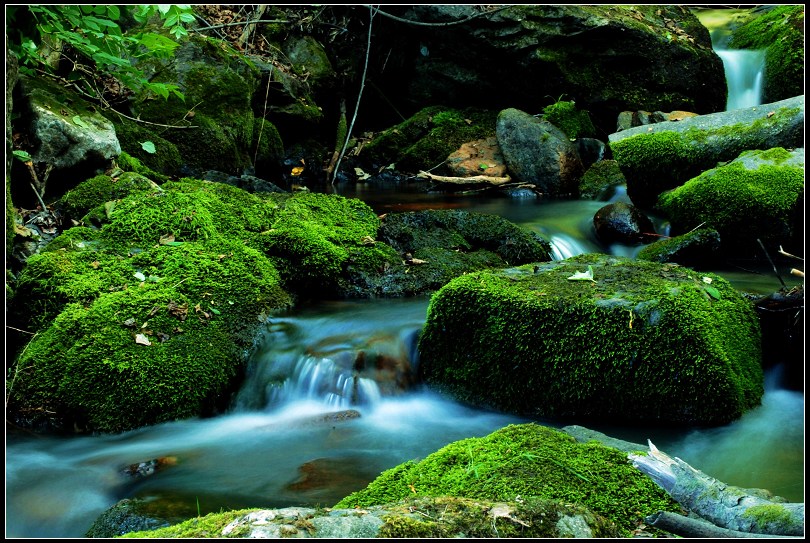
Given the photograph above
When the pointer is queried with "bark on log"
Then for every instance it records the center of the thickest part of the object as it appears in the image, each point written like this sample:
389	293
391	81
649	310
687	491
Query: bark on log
472	180
723	505
692	527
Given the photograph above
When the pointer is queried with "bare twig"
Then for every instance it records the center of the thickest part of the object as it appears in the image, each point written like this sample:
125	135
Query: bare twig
264	114
372	11
782	252
449	23
251	26
151	123
772	264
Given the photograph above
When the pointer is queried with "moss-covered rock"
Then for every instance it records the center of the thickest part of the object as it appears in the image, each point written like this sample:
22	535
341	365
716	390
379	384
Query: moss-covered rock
601	180
213	127
596	337
699	248
414	517
523	463
780	31
148	318
753	197
665	155
428	138
434	246
567	117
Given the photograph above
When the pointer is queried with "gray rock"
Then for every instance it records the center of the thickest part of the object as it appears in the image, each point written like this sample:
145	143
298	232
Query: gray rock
538	153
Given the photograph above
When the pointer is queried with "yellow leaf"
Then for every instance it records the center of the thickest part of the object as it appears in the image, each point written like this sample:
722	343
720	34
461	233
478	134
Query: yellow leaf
298	170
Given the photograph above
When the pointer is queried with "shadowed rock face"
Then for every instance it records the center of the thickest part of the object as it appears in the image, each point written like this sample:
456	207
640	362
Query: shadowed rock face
607	58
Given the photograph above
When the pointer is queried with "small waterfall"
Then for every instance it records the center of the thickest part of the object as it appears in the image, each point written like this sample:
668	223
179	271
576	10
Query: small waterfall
744	74
744	67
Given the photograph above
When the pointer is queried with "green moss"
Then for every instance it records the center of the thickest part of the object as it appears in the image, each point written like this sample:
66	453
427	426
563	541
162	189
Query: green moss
601	180
208	526
772	519
574	122
129	163
641	342
427	139
158	166
524	462
313	237
741	202
697	247
95	192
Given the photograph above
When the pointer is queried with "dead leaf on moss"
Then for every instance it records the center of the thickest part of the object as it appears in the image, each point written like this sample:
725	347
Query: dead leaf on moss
141	339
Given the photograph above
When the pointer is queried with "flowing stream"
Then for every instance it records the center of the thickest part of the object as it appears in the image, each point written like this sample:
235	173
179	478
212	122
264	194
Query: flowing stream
274	449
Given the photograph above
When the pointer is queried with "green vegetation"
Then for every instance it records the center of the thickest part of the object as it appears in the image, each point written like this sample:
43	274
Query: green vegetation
523	462
427	139
640	342
742	201
574	122
93	32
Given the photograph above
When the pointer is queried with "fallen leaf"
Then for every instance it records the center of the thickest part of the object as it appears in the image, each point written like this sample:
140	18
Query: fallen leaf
296	171
142	340
583	276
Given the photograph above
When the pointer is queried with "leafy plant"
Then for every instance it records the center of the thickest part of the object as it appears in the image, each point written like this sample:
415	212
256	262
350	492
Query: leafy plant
91	33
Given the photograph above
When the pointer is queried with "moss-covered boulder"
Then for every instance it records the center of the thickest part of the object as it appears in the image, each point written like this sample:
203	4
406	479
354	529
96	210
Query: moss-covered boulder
780	31
148	318
434	246
698	248
522	463
596	337
213	127
665	155
425	140
601	180
757	196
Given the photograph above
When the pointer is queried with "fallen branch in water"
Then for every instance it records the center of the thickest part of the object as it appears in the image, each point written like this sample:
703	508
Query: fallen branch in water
472	180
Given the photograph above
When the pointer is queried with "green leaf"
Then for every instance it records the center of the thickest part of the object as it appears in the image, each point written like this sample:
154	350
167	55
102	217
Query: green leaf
139	276
713	292
583	276
215	311
149	147
79	122
22	155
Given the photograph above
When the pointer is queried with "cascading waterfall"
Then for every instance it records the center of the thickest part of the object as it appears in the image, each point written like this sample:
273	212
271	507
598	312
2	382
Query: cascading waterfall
744	67
744	74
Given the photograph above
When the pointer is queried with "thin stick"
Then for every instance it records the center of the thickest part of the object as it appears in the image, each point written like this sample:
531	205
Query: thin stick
264	114
772	264
782	252
372	12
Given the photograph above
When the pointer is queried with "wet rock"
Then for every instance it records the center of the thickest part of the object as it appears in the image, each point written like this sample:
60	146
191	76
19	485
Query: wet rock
624	223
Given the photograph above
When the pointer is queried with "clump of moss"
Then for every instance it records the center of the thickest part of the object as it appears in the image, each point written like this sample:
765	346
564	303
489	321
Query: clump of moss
601	180
315	237
94	192
525	461
574	122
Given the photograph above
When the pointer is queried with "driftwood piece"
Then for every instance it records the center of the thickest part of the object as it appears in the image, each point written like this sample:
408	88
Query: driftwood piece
472	180
725	506
692	527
